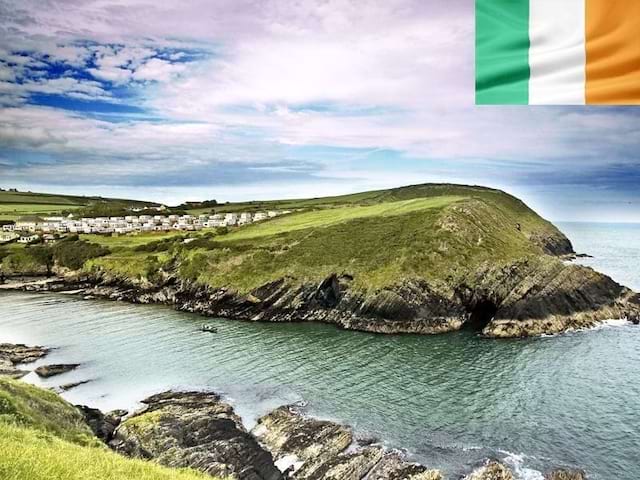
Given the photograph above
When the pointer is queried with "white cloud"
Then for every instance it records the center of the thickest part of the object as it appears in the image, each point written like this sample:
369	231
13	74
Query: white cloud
159	70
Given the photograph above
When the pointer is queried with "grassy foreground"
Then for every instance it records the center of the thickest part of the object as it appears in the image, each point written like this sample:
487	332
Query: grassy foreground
42	437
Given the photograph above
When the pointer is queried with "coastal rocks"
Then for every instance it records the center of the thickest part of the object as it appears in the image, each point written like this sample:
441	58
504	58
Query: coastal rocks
197	430
20	353
12	355
347	466
46	371
565	474
546	296
534	296
393	466
311	449
103	425
492	470
285	432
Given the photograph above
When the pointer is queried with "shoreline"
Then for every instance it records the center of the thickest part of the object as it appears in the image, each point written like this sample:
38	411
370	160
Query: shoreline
321	448
282	304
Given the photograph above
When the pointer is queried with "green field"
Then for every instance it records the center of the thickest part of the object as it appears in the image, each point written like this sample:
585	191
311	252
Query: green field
335	215
16	204
13	211
42	437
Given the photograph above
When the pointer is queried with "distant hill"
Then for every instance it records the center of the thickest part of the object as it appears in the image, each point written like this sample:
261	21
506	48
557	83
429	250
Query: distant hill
15	204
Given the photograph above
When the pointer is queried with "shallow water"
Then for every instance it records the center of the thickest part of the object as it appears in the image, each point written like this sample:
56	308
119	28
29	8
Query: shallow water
451	400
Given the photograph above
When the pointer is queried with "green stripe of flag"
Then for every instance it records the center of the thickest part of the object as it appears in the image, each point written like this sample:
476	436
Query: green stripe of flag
502	52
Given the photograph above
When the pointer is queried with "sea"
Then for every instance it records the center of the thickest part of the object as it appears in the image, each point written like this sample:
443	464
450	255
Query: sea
449	401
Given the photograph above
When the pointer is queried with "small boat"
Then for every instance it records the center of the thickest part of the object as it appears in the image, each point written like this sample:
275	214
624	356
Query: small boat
208	328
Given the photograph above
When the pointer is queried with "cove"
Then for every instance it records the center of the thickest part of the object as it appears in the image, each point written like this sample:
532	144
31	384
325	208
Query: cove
450	400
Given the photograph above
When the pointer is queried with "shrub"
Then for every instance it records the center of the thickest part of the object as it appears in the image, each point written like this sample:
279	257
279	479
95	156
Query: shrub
73	254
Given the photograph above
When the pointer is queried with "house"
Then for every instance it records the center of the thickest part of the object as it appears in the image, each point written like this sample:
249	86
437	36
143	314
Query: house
260	216
29	238
8	236
245	218
231	219
29	223
9	227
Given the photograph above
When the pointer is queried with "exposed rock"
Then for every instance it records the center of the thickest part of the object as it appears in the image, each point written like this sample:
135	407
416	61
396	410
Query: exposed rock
492	470
319	450
103	425
14	354
20	353
534	296
47	371
285	431
393	466
346	466
8	368
197	430
565	474
68	386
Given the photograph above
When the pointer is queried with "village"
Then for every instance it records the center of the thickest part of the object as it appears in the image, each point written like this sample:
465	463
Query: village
32	228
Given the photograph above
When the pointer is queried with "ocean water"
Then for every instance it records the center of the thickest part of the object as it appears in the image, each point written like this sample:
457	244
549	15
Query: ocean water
450	400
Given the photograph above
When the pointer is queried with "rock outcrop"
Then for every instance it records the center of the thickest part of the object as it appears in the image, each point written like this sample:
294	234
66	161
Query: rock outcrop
12	355
197	430
565	474
103	425
491	470
46	371
310	449
393	466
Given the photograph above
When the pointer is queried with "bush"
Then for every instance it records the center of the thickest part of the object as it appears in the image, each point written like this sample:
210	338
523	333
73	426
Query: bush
73	254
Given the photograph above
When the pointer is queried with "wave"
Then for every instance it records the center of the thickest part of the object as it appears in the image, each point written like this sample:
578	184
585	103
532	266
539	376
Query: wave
517	462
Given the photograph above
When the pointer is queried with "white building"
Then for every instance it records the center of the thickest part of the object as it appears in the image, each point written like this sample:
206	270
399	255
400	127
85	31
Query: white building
28	238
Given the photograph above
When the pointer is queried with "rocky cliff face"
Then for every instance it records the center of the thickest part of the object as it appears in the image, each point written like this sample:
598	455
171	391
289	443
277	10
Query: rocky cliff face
197	430
310	449
531	297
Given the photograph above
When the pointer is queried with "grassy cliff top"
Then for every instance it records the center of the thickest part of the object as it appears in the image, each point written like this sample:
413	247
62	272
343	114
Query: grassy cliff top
43	437
432	232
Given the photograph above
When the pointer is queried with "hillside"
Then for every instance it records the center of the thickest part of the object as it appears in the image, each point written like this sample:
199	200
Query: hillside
423	258
15	204
43	437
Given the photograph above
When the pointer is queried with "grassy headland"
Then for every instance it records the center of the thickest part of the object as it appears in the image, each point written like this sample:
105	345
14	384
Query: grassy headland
425	257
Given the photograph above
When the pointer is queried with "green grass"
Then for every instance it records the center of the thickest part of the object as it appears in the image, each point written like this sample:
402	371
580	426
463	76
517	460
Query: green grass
332	216
42	437
16	204
129	241
439	233
29	406
13	211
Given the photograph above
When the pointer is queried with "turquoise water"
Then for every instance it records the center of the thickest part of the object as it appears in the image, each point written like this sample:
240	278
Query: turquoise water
450	400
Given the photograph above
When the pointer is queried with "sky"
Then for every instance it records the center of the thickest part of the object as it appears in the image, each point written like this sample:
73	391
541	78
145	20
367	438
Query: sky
259	99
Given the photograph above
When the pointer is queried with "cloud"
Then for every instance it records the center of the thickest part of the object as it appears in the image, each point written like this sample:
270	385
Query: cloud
301	89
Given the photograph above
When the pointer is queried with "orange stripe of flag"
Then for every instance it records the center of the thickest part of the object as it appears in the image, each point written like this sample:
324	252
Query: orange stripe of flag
613	52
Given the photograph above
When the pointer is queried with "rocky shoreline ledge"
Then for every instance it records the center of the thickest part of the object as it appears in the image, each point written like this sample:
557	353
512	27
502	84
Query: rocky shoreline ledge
199	430
526	299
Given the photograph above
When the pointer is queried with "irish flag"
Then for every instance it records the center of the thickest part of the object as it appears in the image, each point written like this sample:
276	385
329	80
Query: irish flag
558	52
